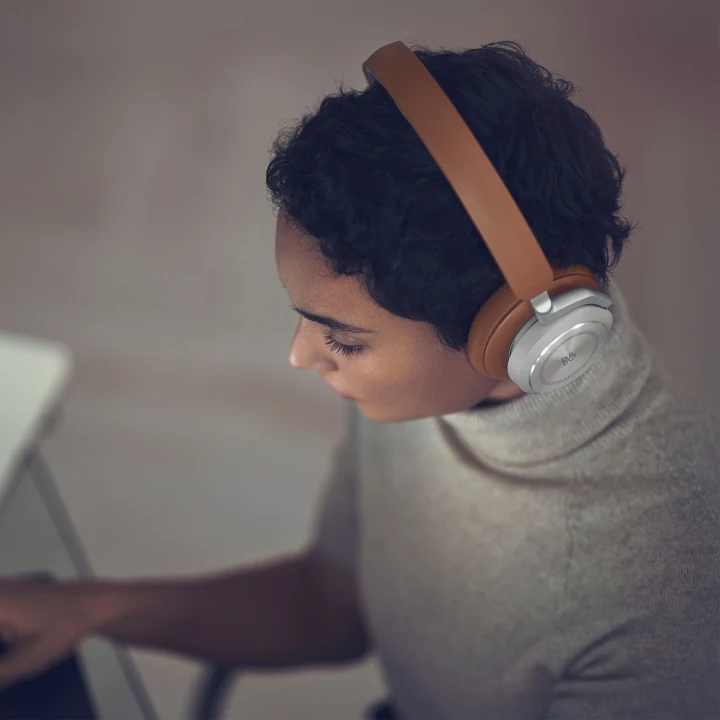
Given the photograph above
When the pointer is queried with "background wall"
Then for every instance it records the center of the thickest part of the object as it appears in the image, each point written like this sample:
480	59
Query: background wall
134	227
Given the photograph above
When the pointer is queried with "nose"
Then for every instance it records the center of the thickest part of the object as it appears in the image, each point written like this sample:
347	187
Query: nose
308	351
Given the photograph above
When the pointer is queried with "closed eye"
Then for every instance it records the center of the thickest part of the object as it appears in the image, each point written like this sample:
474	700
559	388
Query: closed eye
341	348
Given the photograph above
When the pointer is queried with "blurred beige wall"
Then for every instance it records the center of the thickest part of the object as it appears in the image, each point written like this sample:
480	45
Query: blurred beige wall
134	227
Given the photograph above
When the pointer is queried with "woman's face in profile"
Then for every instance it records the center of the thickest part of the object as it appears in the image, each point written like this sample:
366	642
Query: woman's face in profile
394	369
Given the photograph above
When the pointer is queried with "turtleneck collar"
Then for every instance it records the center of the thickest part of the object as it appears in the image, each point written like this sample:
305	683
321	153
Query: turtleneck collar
540	427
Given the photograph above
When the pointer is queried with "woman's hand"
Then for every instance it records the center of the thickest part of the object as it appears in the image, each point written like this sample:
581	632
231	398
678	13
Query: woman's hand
42	621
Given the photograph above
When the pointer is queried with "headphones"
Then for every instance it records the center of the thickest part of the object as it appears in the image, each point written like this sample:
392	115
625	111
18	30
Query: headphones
544	327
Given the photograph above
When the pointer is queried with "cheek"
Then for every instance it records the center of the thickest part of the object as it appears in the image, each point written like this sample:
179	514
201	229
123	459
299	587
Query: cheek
367	374
412	382
390	375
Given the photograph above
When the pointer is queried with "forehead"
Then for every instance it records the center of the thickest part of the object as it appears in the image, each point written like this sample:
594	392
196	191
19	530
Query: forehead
308	277
298	256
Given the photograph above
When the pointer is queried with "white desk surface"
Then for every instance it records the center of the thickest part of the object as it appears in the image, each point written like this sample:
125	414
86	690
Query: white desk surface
33	376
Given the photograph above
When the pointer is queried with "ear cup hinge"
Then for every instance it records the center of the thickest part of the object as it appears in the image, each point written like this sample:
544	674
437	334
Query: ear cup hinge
548	310
543	306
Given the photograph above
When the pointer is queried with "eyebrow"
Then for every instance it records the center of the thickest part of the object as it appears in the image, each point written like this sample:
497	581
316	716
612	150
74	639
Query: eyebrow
332	323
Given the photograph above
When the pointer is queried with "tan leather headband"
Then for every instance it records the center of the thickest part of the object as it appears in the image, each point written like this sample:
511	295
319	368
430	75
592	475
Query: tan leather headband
465	165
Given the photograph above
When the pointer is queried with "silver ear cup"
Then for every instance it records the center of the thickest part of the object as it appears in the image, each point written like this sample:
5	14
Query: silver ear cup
544	358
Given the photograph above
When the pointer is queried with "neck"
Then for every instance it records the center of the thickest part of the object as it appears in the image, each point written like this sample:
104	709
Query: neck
499	396
505	390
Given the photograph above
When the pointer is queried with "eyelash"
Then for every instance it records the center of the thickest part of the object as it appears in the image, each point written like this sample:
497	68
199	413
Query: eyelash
341	348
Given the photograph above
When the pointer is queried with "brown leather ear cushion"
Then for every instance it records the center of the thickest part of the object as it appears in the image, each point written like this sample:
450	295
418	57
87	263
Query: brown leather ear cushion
502	317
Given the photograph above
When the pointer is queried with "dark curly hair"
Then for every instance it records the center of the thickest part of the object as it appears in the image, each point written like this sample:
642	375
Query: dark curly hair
355	176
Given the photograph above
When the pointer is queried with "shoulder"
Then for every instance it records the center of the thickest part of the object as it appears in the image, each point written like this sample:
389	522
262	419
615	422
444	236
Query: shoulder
666	432
644	515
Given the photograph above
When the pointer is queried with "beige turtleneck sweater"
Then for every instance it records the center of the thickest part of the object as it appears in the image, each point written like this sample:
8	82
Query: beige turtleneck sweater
556	556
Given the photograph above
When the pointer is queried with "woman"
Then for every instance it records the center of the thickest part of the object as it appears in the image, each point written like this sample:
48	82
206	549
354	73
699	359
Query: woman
507	555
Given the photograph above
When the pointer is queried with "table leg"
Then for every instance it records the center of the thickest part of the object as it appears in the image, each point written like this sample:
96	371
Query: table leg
41	475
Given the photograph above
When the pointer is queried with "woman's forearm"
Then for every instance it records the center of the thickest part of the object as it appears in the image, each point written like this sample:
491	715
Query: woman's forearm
268	616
